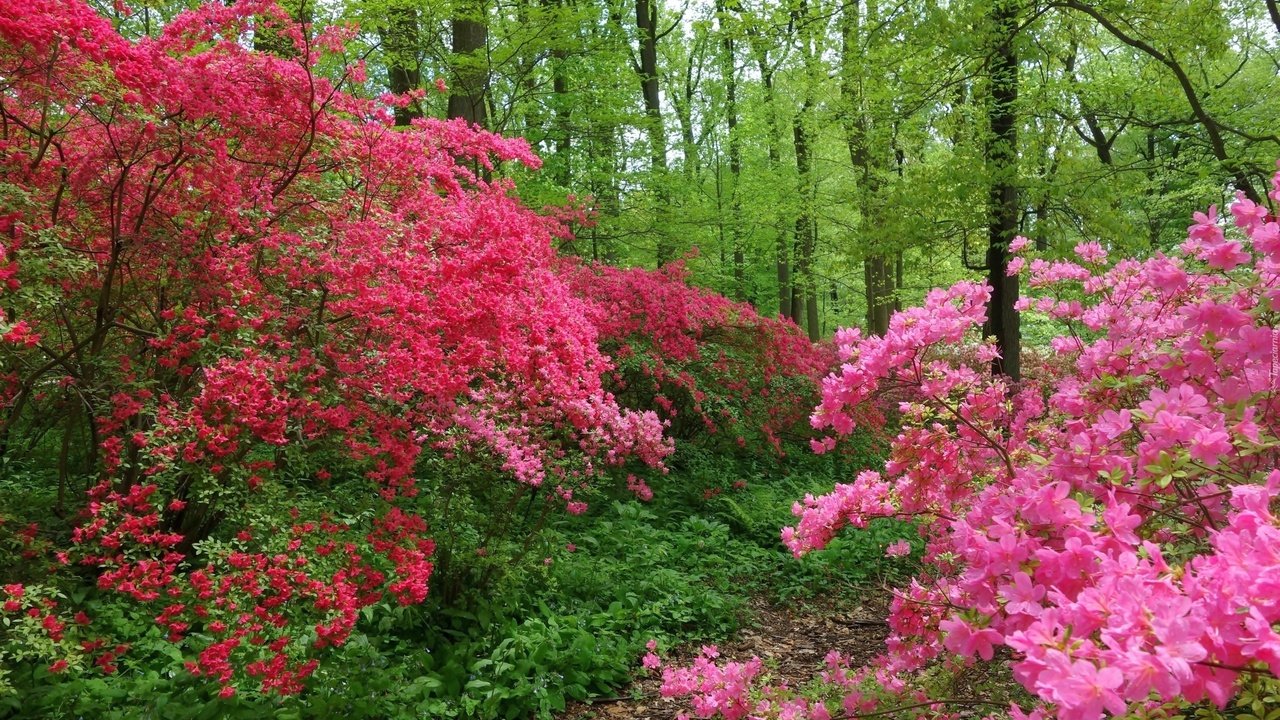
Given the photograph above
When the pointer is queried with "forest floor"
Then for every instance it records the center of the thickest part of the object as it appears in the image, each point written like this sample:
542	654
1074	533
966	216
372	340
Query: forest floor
793	640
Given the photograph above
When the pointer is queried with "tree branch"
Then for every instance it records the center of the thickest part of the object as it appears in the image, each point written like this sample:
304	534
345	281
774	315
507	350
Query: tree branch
1211	126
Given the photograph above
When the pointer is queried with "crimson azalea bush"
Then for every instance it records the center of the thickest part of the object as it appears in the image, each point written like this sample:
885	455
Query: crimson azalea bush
708	365
1109	525
228	279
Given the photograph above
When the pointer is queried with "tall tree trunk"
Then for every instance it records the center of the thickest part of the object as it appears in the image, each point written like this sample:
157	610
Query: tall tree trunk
1049	162
898	272
1157	186
729	70
647	29
563	106
563	127
804	297
804	304
400	44
878	273
467	97
783	271
1002	159
521	108
804	307
602	150
684	106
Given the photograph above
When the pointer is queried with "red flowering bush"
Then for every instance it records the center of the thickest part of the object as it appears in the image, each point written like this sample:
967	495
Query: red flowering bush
227	278
1110	523
704	363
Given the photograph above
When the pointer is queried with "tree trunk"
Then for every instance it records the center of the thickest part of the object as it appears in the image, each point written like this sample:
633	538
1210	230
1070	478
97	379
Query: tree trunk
783	248
563	137
804	309
1002	157
783	268
878	272
804	296
877	278
684	109
897	266
647	29
467	97
647	26
729	69
601	141
400	44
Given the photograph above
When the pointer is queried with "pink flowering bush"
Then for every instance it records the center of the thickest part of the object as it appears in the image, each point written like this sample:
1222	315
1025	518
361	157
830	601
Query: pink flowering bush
1108	527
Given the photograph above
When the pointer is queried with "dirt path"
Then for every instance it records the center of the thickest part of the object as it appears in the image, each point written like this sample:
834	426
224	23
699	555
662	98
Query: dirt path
792	641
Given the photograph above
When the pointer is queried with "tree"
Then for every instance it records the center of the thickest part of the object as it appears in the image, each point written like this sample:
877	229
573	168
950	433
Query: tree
1212	127
1098	124
469	96
729	74
867	162
1002	157
401	43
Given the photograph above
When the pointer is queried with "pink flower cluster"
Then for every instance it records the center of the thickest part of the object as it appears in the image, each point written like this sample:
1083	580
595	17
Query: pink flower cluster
716	689
422	304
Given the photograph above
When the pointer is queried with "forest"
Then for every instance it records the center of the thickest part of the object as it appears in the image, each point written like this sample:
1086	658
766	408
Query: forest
605	359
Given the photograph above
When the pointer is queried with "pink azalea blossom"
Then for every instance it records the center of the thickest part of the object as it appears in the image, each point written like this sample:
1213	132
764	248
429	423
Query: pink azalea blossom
898	548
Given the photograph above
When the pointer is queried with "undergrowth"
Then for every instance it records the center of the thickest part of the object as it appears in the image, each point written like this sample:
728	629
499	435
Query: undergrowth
567	620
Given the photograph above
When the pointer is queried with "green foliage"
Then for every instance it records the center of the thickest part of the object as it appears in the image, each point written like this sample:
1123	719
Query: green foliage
1258	699
670	574
573	627
481	662
759	511
528	626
